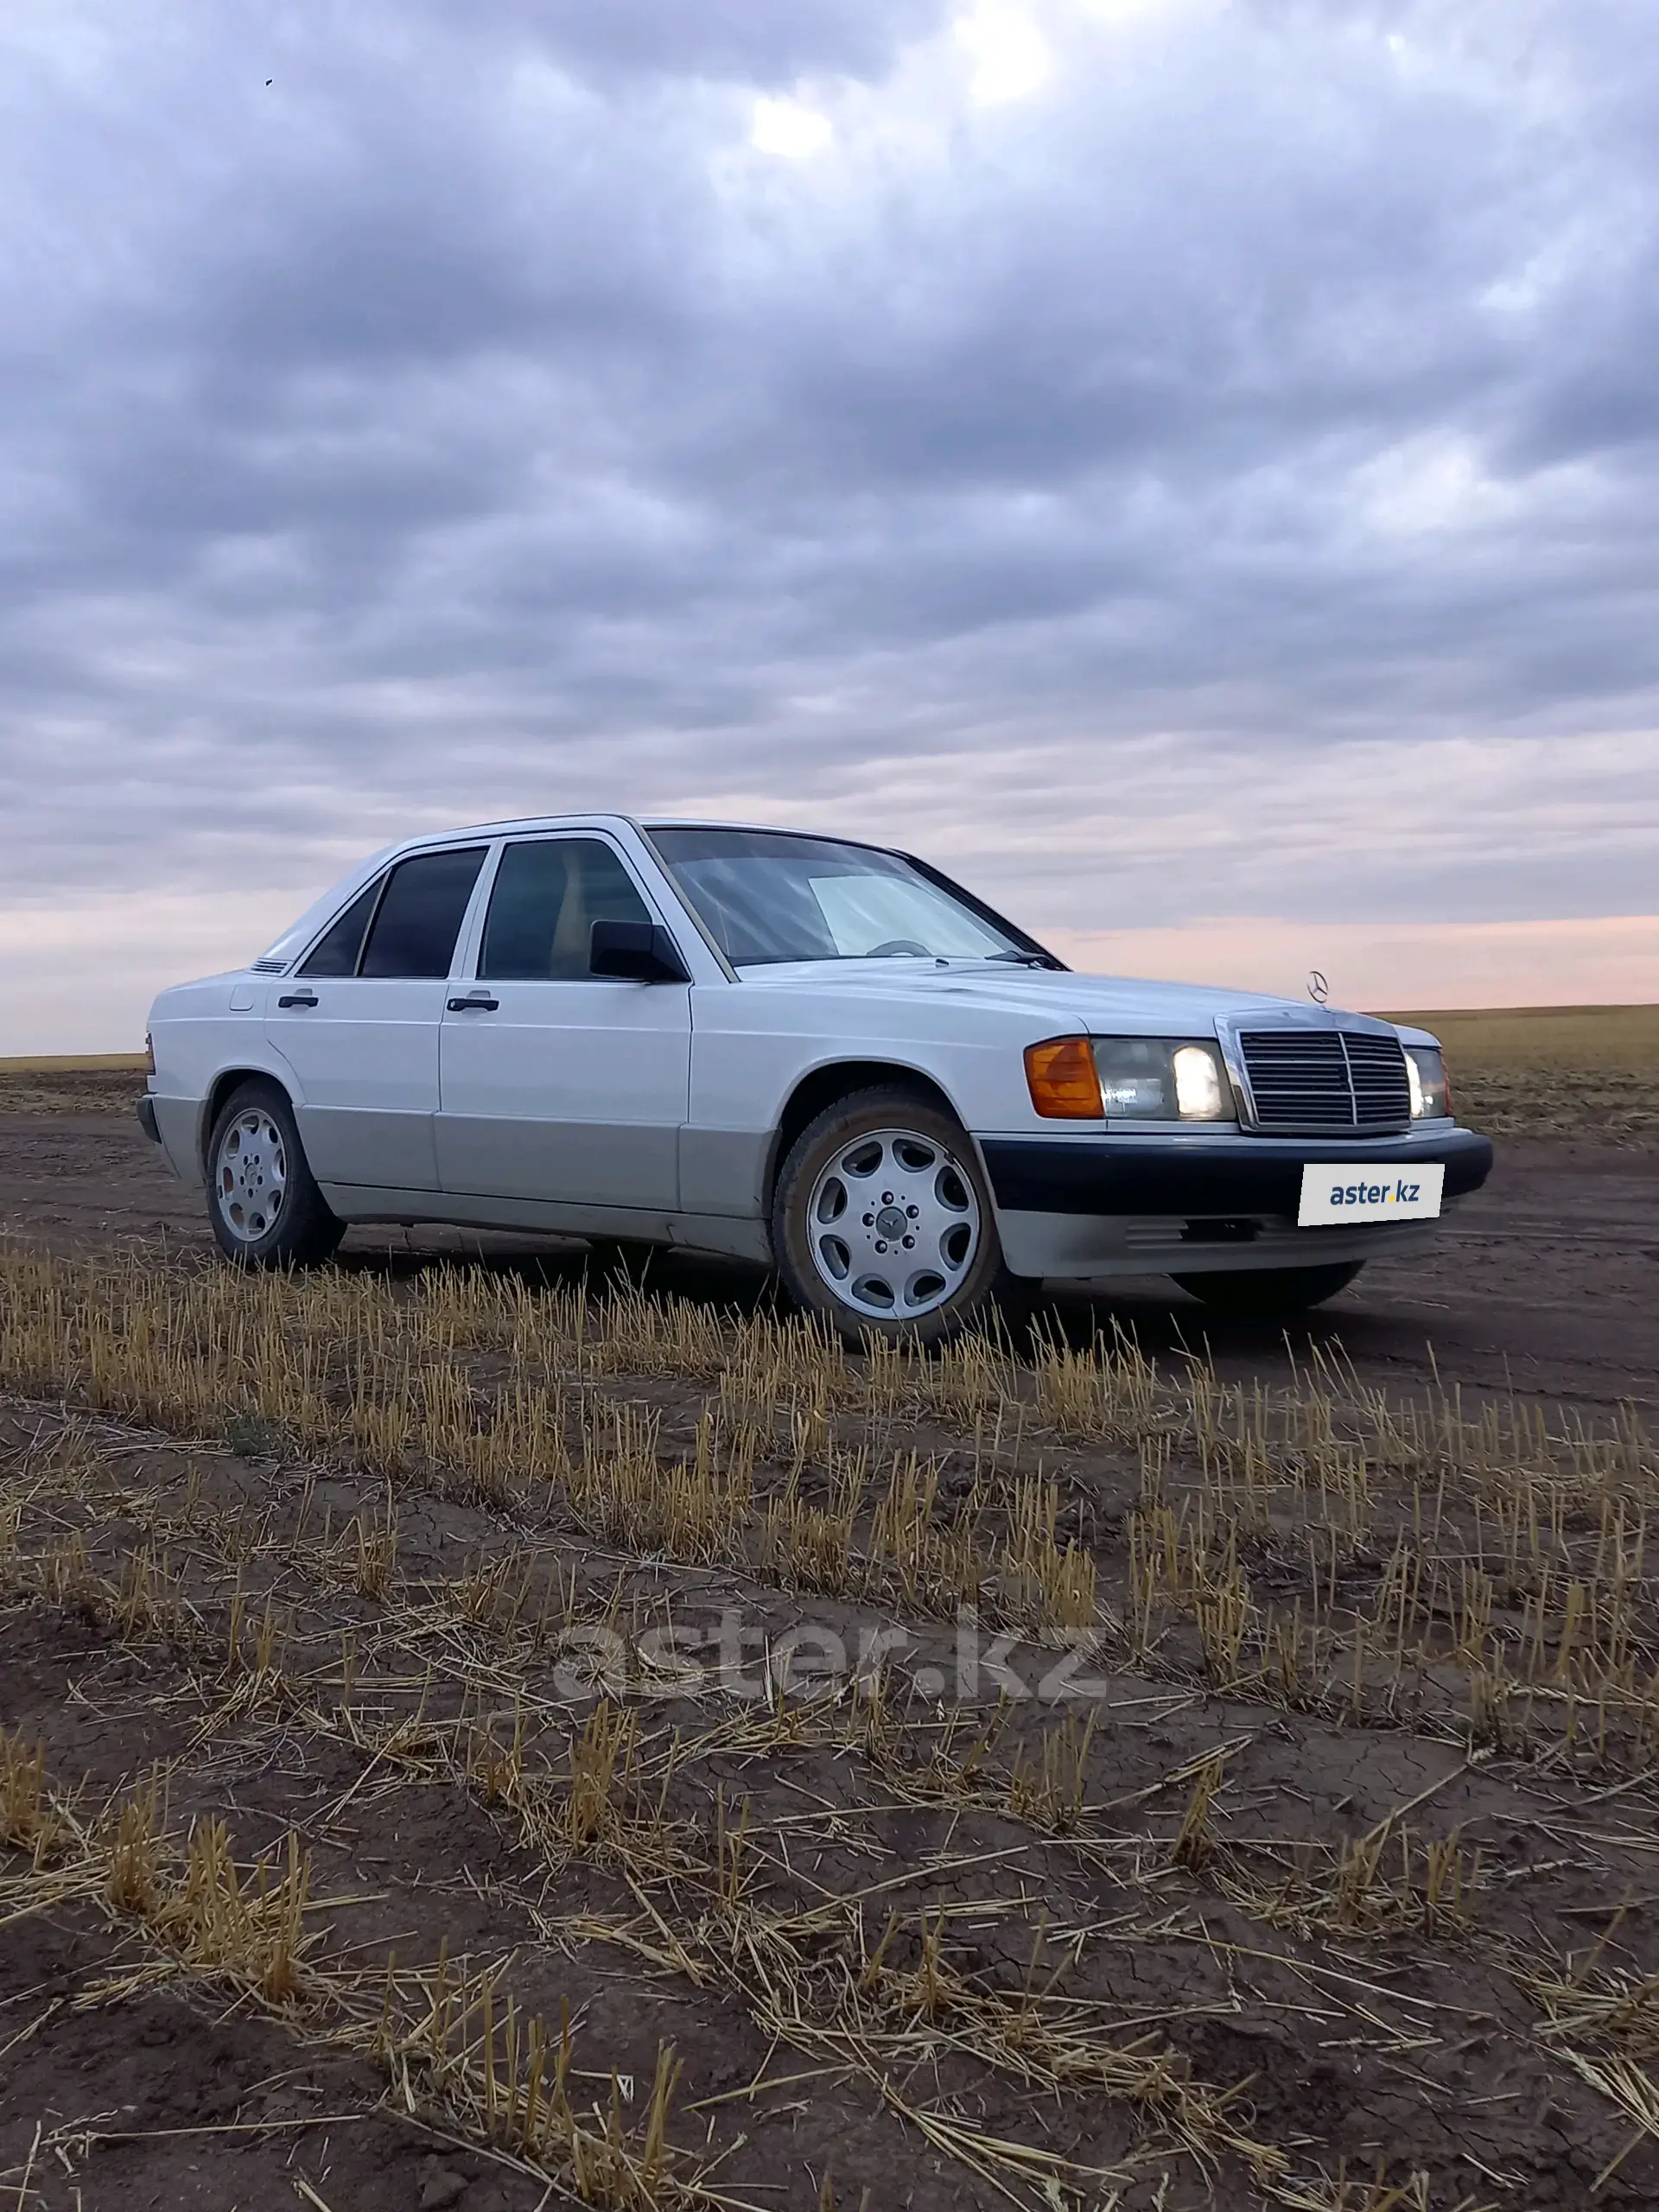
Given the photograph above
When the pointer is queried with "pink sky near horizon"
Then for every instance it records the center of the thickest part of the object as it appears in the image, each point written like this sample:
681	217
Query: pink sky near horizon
80	980
1601	960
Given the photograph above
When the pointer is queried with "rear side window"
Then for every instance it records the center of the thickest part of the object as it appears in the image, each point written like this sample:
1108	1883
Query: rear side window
337	953
421	914
546	899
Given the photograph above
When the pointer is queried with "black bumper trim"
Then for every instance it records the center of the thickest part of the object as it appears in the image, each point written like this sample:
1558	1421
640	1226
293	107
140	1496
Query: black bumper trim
1147	1175
147	1118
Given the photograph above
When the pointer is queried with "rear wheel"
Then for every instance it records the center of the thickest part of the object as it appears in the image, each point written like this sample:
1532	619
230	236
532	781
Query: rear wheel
263	1200
882	1222
1269	1294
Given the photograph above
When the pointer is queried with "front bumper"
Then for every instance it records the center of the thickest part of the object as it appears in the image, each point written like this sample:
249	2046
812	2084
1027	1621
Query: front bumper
1191	1203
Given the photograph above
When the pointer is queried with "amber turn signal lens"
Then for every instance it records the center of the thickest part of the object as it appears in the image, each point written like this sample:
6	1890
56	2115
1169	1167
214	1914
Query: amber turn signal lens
1060	1076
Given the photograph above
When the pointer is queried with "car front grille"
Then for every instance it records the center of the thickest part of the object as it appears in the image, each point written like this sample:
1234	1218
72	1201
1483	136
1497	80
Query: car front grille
1336	1082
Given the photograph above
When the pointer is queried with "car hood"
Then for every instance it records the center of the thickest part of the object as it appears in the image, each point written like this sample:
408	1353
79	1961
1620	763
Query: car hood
1134	1005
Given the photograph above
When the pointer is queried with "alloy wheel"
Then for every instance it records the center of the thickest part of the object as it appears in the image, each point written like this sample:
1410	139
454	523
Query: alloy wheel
894	1225
250	1175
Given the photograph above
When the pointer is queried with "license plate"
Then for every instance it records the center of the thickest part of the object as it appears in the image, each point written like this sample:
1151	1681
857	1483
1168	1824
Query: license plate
1363	1192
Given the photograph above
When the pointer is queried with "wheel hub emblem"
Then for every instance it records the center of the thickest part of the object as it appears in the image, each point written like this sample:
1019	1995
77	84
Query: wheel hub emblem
891	1223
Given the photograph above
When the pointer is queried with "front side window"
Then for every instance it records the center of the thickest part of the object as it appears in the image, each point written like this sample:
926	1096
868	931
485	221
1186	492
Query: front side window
546	898
340	946
766	897
421	914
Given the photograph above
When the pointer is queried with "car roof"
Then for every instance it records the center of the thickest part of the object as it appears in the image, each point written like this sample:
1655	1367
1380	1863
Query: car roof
628	821
534	825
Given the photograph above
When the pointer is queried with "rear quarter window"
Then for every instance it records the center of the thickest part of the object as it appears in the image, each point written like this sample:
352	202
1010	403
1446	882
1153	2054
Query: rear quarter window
340	946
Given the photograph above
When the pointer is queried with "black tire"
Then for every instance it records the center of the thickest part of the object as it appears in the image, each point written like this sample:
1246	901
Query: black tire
1269	1294
943	1157
264	1205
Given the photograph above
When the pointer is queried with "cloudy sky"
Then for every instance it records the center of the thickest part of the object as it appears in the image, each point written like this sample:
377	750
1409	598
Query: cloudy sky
1189	466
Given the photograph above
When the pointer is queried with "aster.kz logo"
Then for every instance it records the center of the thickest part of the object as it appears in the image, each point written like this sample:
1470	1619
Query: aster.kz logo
1354	1191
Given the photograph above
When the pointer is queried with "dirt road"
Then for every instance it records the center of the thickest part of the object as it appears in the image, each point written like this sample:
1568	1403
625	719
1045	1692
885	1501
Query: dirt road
1547	1280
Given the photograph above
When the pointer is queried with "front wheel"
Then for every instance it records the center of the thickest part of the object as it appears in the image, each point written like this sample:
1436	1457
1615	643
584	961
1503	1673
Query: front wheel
1269	1294
263	1200
882	1222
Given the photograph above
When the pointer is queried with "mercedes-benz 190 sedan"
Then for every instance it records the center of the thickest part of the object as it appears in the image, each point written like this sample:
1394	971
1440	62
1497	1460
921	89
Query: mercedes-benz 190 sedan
820	1056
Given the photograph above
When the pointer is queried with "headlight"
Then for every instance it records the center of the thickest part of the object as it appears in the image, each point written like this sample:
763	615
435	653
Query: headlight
1431	1094
1163	1079
1129	1078
1200	1086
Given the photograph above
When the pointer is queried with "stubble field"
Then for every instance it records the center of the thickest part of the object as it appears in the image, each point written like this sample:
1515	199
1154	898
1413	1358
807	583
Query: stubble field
1557	1071
473	1736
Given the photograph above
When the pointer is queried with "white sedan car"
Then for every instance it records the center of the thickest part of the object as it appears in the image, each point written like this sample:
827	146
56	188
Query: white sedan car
818	1055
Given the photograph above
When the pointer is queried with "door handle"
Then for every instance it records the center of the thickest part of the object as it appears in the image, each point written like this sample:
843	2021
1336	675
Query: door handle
297	998
464	1006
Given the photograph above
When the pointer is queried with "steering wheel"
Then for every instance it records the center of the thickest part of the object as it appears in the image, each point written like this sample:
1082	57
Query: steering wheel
895	945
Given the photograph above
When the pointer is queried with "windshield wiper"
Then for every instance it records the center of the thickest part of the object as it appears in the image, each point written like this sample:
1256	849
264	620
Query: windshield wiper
1025	959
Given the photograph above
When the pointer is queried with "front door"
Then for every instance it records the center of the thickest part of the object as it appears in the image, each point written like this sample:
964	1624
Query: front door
358	1024
555	1084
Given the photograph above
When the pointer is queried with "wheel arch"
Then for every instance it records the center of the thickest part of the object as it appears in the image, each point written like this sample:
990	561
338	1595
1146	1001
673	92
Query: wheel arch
219	1089
821	1086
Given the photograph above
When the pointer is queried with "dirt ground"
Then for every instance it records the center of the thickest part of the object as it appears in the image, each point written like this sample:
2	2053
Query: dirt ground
1548	1279
393	1660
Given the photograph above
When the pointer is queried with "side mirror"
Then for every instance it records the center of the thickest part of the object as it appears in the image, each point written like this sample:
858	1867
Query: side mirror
635	953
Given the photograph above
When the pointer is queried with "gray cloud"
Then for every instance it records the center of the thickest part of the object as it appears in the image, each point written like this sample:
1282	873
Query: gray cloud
1244	446
745	41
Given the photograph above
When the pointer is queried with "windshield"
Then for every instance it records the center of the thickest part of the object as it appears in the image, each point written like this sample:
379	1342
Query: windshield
766	896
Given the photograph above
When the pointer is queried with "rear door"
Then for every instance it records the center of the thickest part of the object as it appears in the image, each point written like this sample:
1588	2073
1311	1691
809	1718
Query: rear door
358	1024
558	1084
